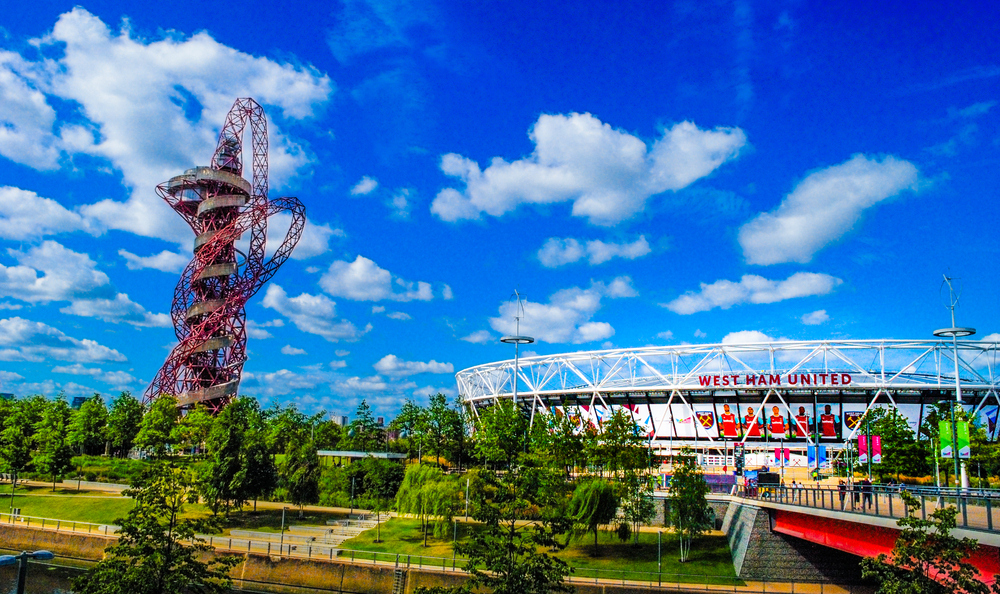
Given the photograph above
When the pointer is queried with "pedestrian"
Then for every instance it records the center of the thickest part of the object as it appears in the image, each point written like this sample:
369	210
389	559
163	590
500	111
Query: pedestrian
866	488
842	487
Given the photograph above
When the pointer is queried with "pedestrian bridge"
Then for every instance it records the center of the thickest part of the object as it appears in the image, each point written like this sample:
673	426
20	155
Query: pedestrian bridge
863	524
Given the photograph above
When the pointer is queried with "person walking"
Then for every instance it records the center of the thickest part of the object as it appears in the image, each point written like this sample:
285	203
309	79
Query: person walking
866	488
842	487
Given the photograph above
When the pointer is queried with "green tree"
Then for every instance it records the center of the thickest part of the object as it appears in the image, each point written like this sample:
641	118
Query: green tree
520	510
157	426
224	476
123	423
18	435
594	504
364	434
157	552
689	511
431	495
192	428
284	426
261	472
88	427
622	447
301	472
410	423
55	454
926	558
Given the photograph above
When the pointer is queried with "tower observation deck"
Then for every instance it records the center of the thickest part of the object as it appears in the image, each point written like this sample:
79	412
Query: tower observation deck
208	308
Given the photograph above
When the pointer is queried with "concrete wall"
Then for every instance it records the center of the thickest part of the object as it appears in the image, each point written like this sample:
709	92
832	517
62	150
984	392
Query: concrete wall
760	554
286	575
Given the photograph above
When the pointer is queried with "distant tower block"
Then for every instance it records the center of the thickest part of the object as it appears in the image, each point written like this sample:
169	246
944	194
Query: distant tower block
209	302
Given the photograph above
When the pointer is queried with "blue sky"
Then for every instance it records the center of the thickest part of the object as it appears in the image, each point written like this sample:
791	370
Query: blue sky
645	173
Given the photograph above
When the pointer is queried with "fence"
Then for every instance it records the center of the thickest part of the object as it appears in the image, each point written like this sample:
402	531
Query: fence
977	510
642	580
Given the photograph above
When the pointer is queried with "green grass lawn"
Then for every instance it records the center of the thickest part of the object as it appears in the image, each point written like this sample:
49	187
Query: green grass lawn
710	560
96	507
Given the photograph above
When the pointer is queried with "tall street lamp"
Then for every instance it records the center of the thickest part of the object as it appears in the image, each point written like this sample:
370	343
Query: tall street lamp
22	572
954	332
517	340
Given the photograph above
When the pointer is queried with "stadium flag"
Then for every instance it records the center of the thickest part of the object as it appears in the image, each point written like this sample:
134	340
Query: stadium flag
862	449
876	449
963	443
991	419
780	453
944	431
812	451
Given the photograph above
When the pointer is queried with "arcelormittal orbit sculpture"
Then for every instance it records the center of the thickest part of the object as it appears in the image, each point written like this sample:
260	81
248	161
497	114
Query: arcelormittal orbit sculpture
209	306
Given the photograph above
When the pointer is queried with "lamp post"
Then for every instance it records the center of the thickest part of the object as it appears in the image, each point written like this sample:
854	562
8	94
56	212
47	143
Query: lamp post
954	332
517	340
281	546
22	572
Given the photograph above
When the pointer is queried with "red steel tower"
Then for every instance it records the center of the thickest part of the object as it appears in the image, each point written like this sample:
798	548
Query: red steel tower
209	305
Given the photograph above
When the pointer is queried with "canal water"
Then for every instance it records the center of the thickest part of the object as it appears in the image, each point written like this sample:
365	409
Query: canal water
42	579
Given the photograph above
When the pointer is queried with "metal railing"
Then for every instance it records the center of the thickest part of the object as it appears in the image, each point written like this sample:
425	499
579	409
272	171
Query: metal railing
977	509
276	548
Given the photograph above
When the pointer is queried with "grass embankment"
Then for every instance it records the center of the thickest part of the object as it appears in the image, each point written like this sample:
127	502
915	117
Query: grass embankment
101	507
710	560
66	504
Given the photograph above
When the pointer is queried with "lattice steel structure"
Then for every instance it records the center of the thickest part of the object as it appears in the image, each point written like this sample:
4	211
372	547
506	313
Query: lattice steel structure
711	395
209	301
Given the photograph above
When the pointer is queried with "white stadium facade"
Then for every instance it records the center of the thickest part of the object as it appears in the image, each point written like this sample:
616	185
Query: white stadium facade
760	396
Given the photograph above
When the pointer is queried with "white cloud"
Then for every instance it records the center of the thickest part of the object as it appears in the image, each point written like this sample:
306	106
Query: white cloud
398	315
151	108
668	335
699	334
746	337
364	187
10	376
165	261
257	330
815	318
447	294
24	340
26	119
478	337
567	317
607	174
995	337
25	215
752	289
71	276
315	239
338	364
119	309
393	366
823	207
363	280
313	314
341	353
117	379
400	204
557	252
66	275
290	350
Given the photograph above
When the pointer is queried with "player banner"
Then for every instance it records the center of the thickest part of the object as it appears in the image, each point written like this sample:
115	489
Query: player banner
862	449
944	431
876	449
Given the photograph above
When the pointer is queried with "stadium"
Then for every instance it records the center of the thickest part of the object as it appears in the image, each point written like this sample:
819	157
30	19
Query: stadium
718	398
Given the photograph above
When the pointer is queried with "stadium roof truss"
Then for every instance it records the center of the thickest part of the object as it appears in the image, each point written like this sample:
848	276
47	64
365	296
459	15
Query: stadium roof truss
697	379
